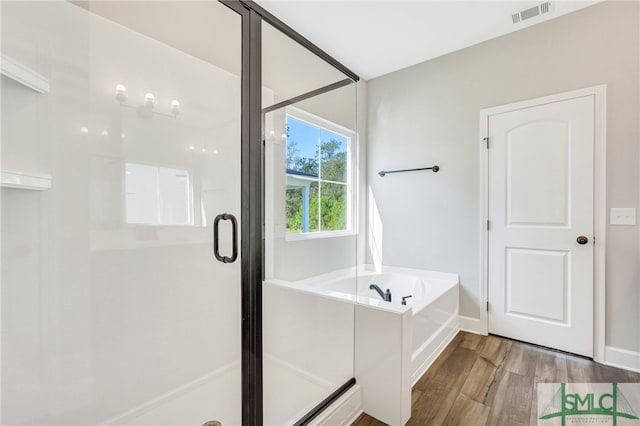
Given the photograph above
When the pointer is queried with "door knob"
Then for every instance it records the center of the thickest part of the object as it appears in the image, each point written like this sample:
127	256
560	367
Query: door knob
582	239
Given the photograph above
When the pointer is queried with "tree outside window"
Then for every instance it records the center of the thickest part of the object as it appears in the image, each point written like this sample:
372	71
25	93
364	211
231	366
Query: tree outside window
318	172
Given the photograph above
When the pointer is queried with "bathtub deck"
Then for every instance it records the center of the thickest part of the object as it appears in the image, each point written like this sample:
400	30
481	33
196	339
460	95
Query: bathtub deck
489	380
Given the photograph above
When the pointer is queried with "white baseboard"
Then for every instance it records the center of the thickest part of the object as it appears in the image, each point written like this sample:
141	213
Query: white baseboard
622	358
615	357
472	325
344	411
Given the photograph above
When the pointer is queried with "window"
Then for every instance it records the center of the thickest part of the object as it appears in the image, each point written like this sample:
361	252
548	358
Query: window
318	169
157	195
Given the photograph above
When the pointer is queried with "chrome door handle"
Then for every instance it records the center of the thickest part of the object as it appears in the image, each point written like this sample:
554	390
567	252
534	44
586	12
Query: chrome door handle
234	231
582	239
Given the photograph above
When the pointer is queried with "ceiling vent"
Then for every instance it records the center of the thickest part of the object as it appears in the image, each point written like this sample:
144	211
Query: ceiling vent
532	12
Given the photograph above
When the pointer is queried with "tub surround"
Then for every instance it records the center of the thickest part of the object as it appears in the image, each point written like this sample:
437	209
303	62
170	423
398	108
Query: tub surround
394	343
383	363
432	330
394	348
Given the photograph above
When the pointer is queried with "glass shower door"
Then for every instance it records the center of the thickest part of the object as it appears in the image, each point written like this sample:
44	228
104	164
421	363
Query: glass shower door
120	192
309	115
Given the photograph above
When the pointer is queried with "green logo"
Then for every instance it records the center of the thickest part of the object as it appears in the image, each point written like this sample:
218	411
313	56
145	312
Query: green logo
613	404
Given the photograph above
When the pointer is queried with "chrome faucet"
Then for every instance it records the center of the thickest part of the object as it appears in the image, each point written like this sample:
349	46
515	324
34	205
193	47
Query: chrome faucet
386	296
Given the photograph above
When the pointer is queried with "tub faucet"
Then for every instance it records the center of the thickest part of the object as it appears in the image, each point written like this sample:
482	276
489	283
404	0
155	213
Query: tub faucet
386	296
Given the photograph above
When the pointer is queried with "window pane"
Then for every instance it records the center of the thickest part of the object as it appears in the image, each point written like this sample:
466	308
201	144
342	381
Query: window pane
302	148
293	198
333	206
333	153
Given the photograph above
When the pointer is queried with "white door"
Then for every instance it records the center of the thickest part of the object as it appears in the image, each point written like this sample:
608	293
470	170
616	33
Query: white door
540	271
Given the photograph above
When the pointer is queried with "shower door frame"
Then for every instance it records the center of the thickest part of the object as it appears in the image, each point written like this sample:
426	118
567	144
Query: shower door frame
252	203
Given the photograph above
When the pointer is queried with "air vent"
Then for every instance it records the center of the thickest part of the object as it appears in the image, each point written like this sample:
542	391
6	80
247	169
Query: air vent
545	7
532	12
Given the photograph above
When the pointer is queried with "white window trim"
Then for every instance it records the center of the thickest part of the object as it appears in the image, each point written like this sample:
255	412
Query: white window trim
352	196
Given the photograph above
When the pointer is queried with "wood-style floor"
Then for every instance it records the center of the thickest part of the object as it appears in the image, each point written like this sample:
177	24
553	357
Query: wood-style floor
490	380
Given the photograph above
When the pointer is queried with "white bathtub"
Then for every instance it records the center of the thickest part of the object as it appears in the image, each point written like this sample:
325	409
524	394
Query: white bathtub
394	343
423	286
434	302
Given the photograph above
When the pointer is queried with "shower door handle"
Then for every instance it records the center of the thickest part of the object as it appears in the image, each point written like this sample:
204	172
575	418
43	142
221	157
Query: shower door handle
216	243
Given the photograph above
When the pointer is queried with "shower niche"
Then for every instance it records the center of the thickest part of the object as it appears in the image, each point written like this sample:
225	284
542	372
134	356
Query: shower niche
29	84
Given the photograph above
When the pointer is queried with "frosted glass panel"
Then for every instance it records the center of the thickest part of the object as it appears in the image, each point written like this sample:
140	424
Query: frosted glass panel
310	202
114	309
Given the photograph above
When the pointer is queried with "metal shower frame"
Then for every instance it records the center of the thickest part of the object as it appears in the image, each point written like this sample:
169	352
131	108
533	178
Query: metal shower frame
252	217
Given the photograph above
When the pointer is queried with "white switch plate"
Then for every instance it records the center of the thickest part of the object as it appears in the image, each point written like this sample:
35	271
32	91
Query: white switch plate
623	216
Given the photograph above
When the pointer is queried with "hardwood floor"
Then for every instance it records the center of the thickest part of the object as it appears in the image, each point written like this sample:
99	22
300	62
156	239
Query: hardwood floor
490	380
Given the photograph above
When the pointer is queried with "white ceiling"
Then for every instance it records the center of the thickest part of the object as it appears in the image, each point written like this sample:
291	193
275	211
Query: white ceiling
374	38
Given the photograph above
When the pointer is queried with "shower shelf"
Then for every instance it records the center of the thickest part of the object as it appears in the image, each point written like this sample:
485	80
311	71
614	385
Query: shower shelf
23	74
21	180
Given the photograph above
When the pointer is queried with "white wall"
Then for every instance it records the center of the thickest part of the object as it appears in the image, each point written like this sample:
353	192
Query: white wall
429	114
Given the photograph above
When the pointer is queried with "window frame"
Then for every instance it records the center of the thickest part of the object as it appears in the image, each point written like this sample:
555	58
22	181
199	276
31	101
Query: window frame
350	181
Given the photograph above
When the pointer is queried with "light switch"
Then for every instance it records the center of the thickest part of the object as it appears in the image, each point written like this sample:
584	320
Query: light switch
623	217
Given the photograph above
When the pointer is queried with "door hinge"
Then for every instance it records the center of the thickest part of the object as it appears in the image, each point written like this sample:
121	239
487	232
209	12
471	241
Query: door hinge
487	306
488	224
487	141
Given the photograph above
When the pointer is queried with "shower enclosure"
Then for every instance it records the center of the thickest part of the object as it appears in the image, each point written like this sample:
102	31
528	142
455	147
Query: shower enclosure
161	197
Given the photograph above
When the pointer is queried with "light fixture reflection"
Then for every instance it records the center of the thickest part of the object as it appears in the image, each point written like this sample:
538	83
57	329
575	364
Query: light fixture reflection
150	100
175	108
121	93
146	109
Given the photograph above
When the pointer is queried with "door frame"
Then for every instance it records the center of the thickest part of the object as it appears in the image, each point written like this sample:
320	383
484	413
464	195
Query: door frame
599	204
